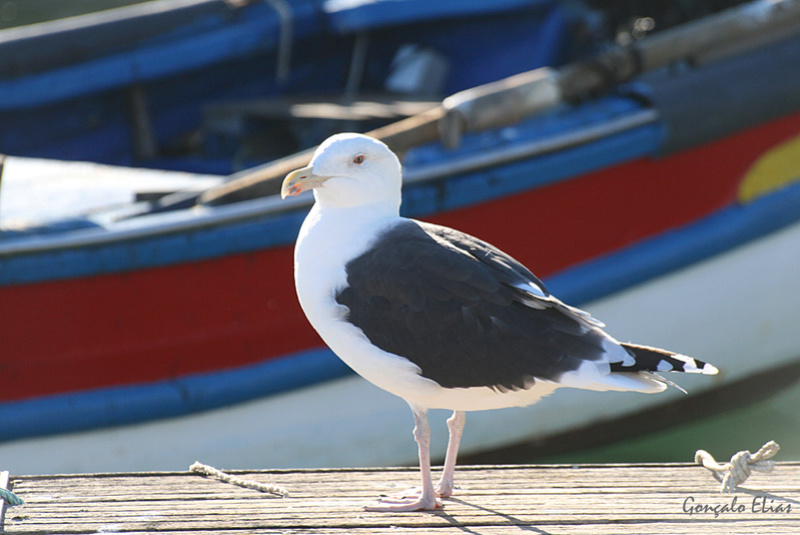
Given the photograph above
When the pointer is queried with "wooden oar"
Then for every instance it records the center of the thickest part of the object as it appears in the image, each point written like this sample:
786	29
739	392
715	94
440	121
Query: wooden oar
511	99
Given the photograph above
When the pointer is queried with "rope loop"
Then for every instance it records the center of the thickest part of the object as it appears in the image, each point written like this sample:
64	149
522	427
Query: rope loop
741	465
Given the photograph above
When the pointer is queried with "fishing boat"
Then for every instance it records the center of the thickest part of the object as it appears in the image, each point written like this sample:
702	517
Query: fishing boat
147	310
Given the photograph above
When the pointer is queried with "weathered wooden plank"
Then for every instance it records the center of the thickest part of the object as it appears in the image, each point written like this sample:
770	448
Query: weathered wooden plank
558	499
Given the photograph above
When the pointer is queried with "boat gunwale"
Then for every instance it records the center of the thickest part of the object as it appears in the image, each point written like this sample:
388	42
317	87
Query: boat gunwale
79	26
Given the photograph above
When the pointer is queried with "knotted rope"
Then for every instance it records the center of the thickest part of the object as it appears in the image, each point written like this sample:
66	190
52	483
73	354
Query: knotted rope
10	498
739	468
210	471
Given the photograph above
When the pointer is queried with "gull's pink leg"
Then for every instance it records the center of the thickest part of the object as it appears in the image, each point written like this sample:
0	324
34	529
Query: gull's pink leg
456	425
415	499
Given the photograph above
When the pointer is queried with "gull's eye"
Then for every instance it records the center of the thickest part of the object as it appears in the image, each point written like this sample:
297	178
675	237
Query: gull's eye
359	159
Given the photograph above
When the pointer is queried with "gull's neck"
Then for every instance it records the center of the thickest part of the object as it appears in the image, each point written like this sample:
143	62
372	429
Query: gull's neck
352	216
327	225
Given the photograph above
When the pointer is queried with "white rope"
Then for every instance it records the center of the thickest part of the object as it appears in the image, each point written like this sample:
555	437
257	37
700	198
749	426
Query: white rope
735	472
210	471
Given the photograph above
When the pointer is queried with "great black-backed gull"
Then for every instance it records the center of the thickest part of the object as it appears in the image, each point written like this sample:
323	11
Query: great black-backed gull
438	317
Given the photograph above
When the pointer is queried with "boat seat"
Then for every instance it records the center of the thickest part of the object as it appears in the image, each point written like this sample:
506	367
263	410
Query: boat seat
359	108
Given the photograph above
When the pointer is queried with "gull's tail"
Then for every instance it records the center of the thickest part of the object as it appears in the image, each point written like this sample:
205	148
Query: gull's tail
652	359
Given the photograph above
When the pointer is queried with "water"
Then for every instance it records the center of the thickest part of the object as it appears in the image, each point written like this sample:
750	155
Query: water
776	418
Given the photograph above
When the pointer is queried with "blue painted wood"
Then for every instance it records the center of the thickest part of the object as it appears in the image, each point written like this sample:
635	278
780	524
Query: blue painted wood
348	16
106	407
40	47
74	103
142	64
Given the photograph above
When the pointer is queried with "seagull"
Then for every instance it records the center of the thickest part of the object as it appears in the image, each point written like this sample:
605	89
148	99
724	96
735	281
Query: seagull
437	317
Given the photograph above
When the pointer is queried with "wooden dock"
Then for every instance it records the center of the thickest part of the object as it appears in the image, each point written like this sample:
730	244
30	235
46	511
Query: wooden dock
496	500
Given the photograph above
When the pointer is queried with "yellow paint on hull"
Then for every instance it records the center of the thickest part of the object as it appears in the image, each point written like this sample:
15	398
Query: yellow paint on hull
776	169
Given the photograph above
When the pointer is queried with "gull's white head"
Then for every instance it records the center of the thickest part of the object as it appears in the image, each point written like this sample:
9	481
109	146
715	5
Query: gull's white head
349	170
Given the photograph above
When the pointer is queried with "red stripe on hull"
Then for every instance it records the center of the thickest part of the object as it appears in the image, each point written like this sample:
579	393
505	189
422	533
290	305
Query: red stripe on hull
148	325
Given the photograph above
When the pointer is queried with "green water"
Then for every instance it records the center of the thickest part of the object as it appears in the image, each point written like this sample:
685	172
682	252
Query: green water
776	418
